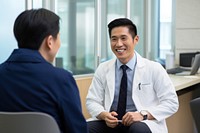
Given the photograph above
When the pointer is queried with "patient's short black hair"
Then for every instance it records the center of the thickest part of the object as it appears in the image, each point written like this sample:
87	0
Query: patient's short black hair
32	26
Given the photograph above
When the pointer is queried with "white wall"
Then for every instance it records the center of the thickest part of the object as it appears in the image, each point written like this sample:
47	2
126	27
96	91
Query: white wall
187	27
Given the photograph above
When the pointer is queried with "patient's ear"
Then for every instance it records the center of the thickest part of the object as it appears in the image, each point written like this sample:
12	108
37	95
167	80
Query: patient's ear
49	41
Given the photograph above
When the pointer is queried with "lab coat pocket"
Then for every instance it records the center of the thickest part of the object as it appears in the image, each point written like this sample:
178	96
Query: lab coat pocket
146	93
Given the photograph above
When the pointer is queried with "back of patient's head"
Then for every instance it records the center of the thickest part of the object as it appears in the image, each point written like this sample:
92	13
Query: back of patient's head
32	26
123	22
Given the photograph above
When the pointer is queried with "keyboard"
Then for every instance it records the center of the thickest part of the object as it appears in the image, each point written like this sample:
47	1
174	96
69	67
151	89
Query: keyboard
177	70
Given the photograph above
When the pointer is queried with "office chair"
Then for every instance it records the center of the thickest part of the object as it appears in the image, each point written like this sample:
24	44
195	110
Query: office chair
27	122
195	109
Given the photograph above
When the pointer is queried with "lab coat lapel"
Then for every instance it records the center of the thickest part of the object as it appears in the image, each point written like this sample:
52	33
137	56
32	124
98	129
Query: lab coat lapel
139	72
110	78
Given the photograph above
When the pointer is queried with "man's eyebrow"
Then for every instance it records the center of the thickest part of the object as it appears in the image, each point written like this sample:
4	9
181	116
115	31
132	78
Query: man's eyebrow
119	36
123	36
113	36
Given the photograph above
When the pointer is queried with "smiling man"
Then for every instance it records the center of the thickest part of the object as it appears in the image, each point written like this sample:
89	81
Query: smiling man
129	94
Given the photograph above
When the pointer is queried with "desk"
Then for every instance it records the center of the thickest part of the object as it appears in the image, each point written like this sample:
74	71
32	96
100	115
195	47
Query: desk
182	82
186	87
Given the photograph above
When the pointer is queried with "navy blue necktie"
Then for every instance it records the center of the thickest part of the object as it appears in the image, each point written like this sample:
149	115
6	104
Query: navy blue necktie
121	108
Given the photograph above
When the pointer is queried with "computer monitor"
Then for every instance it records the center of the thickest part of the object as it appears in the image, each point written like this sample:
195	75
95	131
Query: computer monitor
186	71
195	64
185	59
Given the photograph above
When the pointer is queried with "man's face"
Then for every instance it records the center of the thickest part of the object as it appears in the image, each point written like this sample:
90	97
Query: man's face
122	43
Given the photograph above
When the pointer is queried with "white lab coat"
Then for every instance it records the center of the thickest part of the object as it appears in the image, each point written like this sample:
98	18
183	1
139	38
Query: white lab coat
155	94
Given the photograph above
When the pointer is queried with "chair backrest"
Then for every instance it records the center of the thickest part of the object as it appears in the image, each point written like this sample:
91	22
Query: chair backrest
27	122
195	109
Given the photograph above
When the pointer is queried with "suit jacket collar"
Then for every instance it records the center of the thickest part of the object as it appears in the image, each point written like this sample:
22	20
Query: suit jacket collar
25	55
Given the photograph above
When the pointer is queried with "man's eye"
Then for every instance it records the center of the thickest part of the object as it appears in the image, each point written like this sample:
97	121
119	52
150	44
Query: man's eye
124	38
113	39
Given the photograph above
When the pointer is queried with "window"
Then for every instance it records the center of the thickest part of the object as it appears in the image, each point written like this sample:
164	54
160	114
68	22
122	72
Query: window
84	33
8	12
137	14
37	3
110	14
165	28
77	52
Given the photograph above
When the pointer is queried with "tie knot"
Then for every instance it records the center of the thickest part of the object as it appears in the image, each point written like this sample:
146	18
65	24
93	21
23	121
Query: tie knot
124	68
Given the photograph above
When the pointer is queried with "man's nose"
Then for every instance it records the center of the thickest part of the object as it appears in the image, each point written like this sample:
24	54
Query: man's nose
119	42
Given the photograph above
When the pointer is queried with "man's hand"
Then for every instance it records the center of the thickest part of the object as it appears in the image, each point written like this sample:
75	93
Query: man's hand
110	118
131	117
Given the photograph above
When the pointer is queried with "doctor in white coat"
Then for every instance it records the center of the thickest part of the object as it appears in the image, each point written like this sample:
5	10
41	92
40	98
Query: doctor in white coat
151	96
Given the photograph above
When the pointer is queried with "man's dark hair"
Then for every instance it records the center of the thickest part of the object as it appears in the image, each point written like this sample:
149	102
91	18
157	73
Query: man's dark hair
123	22
32	26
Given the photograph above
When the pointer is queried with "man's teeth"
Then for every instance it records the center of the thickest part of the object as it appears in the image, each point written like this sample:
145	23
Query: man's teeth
120	50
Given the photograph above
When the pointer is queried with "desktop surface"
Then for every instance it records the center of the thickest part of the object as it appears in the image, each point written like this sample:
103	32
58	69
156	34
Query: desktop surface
182	82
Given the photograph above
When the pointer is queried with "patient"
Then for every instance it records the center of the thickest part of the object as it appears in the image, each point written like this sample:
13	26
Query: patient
29	81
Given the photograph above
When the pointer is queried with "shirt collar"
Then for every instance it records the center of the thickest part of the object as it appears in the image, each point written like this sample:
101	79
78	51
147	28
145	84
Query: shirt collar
131	64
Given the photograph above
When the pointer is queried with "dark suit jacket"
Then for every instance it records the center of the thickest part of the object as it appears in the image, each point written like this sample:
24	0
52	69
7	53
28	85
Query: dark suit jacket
30	83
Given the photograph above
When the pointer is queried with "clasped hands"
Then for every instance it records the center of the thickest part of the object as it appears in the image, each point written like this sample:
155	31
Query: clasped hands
112	121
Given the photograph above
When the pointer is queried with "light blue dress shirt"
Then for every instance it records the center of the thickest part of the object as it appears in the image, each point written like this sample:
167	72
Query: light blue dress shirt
130	106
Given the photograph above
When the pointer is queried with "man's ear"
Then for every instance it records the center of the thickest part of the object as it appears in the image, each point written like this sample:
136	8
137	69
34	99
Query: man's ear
49	41
136	38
